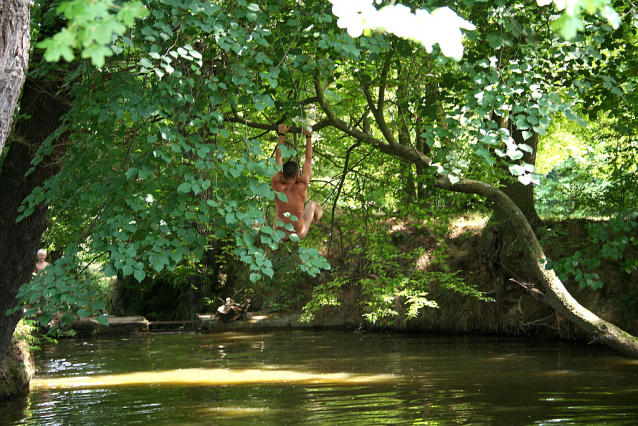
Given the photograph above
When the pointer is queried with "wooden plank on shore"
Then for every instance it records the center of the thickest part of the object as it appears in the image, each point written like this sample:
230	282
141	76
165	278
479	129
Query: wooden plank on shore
125	325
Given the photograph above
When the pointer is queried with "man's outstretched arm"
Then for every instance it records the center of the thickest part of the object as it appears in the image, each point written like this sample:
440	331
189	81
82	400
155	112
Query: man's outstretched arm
281	130
306	170
278	178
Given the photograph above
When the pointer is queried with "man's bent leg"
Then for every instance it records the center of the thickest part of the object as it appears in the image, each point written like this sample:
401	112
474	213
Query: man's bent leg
309	213
318	213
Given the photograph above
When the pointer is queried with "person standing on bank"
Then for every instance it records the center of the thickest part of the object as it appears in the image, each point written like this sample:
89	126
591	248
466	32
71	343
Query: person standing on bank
42	263
295	188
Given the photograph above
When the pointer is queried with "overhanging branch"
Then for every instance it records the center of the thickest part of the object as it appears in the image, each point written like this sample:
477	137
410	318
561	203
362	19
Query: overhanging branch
236	118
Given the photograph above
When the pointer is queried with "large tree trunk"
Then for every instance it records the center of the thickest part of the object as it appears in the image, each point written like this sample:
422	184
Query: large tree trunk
523	195
15	39
556	295
500	250
19	241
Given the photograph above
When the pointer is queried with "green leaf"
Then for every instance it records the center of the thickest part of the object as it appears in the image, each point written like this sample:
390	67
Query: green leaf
97	53
98	305
568	26
146	63
157	262
139	275
184	188
575	118
44	320
483	152
249	239
110	270
516	169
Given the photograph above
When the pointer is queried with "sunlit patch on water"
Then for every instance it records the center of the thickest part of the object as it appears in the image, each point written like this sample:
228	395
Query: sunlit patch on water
560	373
234	411
209	377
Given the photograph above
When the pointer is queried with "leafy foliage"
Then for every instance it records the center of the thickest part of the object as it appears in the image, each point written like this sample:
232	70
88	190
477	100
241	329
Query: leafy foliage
156	160
571	189
26	332
570	22
170	155
442	26
79	295
284	290
93	26
609	241
594	180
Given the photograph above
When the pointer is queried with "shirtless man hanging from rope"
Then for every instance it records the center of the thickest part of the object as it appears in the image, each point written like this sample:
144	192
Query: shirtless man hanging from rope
295	188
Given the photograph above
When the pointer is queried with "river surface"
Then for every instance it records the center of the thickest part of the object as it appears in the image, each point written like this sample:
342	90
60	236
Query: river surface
328	378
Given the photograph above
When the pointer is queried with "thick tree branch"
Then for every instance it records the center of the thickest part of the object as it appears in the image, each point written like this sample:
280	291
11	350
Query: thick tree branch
346	165
406	153
378	109
382	84
236	118
556	296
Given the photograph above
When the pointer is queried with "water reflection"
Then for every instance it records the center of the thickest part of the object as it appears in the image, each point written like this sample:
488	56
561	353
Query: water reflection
327	379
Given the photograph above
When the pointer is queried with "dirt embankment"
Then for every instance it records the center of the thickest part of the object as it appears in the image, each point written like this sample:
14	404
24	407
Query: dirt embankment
512	312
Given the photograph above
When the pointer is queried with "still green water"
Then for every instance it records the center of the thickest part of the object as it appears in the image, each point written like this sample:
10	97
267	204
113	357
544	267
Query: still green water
328	378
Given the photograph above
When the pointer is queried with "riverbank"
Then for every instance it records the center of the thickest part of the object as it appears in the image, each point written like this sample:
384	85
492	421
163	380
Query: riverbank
252	321
448	271
256	321
17	369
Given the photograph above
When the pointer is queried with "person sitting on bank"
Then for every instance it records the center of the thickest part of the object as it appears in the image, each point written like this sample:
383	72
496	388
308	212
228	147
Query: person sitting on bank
295	188
42	263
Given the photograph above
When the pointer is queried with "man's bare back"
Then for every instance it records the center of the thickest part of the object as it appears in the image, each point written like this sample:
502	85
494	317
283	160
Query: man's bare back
296	196
295	188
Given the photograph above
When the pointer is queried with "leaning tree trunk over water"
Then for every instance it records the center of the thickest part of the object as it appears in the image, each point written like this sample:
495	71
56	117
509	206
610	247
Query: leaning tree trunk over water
19	241
500	250
556	295
15	39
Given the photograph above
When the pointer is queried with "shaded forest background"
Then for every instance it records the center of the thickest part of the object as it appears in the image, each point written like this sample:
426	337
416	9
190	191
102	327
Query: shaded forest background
410	249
